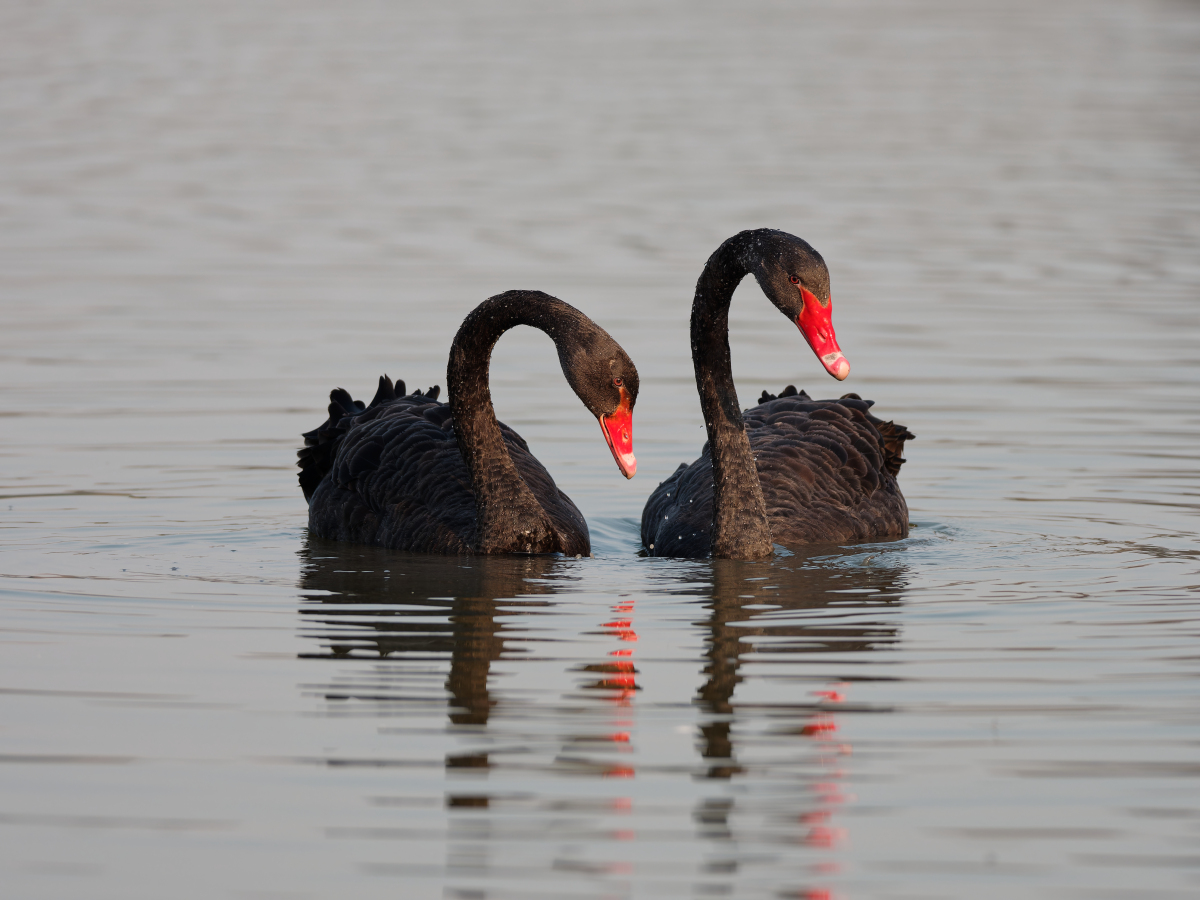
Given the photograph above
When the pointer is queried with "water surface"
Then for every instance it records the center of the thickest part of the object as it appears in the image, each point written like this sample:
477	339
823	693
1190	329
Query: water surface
210	216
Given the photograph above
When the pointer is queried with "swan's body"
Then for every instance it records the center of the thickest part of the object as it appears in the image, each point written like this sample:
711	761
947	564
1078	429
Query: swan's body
410	473
790	471
398	480
825	475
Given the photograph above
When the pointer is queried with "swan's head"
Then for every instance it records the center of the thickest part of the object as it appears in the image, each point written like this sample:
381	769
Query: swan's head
606	380
617	424
794	277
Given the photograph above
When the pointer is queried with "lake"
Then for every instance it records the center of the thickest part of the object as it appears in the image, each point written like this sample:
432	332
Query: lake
211	215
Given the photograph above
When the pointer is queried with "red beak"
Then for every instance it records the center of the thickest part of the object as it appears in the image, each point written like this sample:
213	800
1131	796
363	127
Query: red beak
816	324
618	432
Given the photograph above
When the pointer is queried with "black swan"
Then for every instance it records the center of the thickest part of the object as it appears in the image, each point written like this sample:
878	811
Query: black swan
410	473
792	470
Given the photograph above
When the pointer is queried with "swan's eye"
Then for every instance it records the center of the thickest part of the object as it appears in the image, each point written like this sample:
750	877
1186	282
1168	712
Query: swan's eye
794	280
618	381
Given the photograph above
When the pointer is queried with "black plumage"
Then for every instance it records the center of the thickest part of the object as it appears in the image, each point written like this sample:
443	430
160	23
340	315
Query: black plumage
827	469
790	471
410	473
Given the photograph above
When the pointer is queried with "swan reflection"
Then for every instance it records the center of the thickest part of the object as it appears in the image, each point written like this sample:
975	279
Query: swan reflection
370	603
775	617
772	612
538	680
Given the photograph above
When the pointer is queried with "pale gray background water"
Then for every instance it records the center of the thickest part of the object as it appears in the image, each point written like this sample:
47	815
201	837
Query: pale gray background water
211	214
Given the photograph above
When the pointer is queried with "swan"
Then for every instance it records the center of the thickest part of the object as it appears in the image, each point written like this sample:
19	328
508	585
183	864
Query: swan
792	470
410	473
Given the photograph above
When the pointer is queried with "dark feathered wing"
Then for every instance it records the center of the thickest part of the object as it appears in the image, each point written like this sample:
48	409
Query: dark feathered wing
322	443
391	474
828	473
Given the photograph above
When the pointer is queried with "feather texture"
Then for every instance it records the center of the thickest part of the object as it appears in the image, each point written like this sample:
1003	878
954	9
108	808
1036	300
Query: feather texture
827	469
391	474
410	473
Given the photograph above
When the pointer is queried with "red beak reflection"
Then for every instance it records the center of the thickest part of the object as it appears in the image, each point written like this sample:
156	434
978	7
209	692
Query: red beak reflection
816	324
618	432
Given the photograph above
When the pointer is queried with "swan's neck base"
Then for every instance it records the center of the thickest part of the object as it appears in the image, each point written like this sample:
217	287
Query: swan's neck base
740	526
512	521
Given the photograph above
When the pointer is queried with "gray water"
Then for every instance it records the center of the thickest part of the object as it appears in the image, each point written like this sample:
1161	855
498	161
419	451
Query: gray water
212	214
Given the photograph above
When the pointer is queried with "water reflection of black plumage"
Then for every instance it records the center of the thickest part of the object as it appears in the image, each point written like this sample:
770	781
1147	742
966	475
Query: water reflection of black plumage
370	603
822	605
766	717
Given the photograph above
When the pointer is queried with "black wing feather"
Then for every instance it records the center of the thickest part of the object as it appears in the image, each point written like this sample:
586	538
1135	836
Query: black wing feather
828	472
391	474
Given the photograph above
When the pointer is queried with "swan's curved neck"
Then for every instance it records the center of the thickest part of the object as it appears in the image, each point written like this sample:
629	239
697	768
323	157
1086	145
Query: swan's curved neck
511	520
740	527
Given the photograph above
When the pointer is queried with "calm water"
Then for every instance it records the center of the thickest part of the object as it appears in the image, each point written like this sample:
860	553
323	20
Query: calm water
212	214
